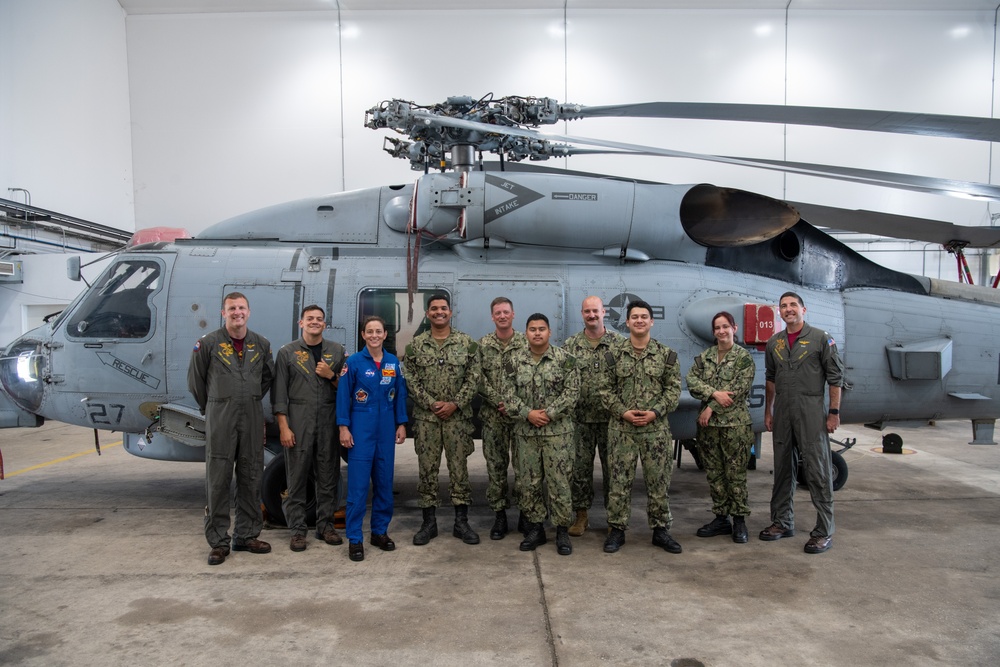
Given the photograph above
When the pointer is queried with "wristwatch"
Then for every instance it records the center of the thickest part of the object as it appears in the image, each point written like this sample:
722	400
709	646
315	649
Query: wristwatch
834	411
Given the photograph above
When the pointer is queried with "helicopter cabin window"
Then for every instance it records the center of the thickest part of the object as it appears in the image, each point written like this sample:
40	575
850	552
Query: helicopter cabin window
118	305
392	306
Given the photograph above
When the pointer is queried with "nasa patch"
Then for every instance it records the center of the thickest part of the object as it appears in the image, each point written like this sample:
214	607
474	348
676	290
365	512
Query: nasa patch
369	373
343	370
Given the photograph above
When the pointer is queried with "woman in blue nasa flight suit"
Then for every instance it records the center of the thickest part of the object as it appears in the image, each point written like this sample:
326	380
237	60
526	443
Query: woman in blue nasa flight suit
371	413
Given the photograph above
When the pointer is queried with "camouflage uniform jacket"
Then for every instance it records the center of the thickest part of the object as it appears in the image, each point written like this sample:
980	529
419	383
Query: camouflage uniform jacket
492	355
552	384
448	372
734	373
650	380
591	361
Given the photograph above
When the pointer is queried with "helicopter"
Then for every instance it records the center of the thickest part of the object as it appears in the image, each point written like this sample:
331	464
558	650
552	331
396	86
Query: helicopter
915	349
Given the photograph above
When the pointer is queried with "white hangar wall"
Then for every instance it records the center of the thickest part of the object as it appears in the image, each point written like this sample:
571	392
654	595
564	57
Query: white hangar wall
183	119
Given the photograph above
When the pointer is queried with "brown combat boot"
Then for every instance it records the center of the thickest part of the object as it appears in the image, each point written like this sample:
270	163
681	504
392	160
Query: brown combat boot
579	526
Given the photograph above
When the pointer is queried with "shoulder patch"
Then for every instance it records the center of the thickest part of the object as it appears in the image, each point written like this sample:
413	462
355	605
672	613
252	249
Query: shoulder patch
197	345
671	358
473	347
699	362
609	358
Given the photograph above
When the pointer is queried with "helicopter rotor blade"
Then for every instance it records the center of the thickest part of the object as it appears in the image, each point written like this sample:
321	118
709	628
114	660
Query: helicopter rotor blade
899	122
963	189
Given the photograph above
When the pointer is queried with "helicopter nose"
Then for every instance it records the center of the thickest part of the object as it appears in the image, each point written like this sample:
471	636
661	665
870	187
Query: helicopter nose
21	369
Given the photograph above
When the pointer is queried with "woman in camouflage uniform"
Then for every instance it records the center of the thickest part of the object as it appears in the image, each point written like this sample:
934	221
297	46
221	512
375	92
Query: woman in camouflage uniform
721	379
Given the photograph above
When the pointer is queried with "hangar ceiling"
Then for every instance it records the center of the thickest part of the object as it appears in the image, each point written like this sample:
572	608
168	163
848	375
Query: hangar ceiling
220	6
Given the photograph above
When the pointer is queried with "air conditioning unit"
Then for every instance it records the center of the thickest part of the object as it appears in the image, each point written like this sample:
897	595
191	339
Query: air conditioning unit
10	272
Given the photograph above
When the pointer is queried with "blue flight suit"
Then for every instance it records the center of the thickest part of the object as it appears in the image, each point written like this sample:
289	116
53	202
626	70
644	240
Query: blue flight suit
371	402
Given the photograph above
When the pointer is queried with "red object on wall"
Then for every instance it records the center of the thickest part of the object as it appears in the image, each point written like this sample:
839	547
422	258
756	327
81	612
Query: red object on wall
760	322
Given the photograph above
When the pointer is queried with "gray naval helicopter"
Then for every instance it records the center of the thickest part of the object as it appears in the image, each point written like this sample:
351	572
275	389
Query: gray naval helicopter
915	349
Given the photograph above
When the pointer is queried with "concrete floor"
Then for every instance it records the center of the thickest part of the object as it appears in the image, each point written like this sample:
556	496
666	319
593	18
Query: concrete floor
103	561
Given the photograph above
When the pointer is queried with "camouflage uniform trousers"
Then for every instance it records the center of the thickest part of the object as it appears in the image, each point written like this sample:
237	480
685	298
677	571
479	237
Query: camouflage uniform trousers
590	438
500	451
546	460
654	447
454	438
725	452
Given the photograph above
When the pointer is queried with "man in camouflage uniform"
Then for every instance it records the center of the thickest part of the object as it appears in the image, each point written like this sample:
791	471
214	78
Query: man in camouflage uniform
589	347
800	363
641	386
498	432
543	385
442	374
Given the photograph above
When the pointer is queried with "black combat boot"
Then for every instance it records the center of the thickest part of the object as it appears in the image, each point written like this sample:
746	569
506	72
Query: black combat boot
563	545
523	525
662	539
534	537
718	526
614	541
499	529
740	530
463	530
428	529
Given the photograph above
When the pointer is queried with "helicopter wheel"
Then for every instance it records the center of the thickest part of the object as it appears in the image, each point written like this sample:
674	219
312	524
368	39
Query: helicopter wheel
274	487
839	470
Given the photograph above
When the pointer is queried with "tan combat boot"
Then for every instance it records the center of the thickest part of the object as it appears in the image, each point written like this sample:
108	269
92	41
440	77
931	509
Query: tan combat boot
580	525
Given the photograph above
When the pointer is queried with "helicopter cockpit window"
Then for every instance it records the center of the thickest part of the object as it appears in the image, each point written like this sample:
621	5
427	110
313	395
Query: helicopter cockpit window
117	306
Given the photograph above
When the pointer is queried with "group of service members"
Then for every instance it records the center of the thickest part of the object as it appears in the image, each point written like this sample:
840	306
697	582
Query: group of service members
545	409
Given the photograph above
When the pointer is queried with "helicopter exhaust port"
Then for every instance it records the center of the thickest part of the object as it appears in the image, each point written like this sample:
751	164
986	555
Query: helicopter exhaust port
726	217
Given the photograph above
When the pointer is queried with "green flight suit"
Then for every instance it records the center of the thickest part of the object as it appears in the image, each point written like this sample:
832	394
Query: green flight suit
228	388
647	380
800	376
545	453
447	372
591	434
499	448
726	442
309	402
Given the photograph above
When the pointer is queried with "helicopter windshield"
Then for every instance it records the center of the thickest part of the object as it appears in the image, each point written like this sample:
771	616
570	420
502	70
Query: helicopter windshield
118	305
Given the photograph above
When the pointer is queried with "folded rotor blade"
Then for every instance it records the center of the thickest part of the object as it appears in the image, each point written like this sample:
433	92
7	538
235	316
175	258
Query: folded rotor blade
939	186
898	226
899	122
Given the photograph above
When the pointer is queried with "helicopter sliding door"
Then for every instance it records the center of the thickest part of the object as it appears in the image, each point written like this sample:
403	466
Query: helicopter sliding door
529	296
273	311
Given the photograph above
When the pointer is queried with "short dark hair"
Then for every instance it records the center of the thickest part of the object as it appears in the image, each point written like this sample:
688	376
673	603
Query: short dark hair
499	300
235	295
794	296
638	303
537	316
729	318
372	318
312	307
439	296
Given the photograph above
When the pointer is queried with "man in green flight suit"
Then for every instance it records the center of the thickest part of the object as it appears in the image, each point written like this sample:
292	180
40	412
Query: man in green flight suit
230	371
800	362
304	402
641	386
442	368
543	385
